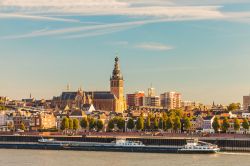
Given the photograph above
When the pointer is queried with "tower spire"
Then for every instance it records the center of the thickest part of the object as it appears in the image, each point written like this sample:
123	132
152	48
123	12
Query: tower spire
117	72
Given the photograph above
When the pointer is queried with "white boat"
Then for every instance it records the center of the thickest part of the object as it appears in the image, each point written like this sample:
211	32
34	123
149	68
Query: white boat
127	143
50	140
195	146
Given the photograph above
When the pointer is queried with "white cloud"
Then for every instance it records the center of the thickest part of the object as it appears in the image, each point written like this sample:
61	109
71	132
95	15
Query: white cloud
107	7
154	46
96	32
63	31
34	17
151	11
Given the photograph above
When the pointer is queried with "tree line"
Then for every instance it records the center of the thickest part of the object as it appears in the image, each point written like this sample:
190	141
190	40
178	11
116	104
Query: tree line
225	125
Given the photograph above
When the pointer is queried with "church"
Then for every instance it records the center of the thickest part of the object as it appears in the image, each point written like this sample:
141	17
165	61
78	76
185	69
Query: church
112	100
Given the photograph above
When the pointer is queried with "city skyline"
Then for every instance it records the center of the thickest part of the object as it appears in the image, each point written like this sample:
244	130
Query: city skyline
197	48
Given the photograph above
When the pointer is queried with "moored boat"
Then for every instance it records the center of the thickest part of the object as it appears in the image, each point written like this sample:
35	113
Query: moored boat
195	146
127	143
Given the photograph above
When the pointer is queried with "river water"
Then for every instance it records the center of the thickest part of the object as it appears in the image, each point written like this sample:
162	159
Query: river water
9	157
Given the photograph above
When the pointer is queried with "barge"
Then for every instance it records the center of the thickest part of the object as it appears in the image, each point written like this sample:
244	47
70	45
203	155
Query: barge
120	145
192	146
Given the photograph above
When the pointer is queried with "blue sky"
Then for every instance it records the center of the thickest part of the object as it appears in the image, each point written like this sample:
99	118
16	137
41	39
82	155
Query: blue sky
199	48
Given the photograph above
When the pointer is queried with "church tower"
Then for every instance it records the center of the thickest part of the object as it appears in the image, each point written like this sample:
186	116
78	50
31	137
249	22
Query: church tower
116	86
116	81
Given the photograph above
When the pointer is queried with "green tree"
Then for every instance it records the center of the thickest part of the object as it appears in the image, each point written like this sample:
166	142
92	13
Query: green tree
177	123
178	112
76	124
245	124
233	106
121	124
169	124
92	123
148	123
164	124
236	124
65	123
216	124
150	115
71	125
186	123
84	123
225	125
22	126
164	116
99	125
131	124
156	124
111	124
161	123
140	123
10	126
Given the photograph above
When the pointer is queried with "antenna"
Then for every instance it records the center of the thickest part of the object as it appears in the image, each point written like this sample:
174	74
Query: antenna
68	87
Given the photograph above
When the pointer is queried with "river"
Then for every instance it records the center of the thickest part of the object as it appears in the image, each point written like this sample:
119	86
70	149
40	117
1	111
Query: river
9	157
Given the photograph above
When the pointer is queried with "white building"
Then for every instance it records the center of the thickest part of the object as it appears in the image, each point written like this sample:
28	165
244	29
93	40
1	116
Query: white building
171	100
3	118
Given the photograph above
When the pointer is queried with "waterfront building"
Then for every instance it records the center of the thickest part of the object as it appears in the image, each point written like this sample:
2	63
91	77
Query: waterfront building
22	117
136	99
171	100
42	120
3	120
246	103
205	124
246	115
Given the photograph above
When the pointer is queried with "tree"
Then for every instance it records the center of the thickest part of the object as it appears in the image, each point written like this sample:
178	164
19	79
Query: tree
216	124
186	123
84	123
233	106
161	123
169	124
111	124
164	116
156	124
120	123
92	123
178	112
148	123
225	125
10	126
76	124
99	125
245	124
65	124
236	124
177	123
71	125
140	123
22	127
131	124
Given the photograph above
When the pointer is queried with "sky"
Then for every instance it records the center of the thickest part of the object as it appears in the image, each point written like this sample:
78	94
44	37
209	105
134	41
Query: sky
200	48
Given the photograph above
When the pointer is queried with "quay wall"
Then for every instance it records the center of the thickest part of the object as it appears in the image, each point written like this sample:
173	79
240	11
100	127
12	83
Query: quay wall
225	144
